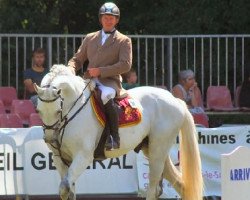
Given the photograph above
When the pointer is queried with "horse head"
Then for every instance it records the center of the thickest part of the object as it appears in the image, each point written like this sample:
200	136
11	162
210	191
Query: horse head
49	108
58	95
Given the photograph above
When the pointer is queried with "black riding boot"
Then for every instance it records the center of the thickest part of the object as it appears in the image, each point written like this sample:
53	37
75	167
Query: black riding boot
113	139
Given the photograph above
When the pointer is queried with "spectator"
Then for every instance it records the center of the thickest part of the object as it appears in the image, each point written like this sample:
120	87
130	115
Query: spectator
34	74
130	80
188	91
244	96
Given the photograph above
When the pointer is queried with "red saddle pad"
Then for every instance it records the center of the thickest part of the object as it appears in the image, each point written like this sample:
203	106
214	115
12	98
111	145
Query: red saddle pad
128	115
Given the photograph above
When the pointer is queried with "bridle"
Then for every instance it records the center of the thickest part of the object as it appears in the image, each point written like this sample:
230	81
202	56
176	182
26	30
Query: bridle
61	123
64	118
55	126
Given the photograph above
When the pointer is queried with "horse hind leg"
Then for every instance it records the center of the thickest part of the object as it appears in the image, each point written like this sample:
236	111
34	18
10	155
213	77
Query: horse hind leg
156	166
146	153
172	174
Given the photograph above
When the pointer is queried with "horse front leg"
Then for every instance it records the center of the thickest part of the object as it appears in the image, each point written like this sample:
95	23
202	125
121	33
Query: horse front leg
60	166
67	187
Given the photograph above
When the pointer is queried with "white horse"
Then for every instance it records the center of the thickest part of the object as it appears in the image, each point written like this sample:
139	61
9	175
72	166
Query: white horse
65	110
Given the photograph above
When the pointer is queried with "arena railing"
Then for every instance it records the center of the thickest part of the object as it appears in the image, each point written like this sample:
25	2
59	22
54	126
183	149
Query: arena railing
215	59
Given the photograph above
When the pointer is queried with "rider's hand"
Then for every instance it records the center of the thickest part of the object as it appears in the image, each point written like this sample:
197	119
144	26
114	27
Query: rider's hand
86	75
94	72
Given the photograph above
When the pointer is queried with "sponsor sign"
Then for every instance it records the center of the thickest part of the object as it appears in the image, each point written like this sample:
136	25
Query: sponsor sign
26	167
212	143
235	168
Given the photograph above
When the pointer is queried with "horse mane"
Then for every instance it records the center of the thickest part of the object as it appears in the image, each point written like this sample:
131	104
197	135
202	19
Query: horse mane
57	70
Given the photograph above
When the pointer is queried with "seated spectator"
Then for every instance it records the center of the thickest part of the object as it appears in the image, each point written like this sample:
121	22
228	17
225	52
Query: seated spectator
130	80
35	74
244	96
188	91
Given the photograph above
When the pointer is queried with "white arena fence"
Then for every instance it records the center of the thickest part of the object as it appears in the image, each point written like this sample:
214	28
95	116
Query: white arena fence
26	165
215	59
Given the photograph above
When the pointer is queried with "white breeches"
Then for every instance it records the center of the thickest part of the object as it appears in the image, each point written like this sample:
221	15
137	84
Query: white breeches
107	92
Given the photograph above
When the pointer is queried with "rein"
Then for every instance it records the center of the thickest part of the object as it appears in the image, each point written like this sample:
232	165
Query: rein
58	126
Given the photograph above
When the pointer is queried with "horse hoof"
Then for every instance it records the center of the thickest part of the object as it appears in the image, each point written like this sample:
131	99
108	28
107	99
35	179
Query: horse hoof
64	190
71	196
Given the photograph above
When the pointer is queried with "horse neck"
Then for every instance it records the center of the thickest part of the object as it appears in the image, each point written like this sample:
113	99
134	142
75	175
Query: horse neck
79	94
82	87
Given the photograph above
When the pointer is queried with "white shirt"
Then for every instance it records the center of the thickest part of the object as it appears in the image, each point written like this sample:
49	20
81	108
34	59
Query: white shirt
104	36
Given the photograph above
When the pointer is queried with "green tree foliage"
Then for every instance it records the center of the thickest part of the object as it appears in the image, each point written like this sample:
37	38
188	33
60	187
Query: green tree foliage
137	16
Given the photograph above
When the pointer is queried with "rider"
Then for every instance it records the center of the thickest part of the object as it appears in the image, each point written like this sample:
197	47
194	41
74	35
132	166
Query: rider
109	53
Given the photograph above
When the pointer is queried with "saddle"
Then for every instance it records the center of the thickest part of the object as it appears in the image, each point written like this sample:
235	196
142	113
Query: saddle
129	115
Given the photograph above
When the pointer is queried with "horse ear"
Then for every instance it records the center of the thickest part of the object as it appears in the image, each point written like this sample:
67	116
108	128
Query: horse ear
38	89
59	91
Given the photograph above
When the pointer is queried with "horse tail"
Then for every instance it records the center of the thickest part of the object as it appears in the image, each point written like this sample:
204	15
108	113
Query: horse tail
190	160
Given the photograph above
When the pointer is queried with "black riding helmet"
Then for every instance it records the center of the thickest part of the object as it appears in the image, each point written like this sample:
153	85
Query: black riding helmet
109	8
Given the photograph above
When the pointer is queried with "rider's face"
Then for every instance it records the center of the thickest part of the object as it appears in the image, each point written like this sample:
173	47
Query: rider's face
108	22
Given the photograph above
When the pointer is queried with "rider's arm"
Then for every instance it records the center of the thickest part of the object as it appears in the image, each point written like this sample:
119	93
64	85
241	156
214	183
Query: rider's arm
80	56
124	63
